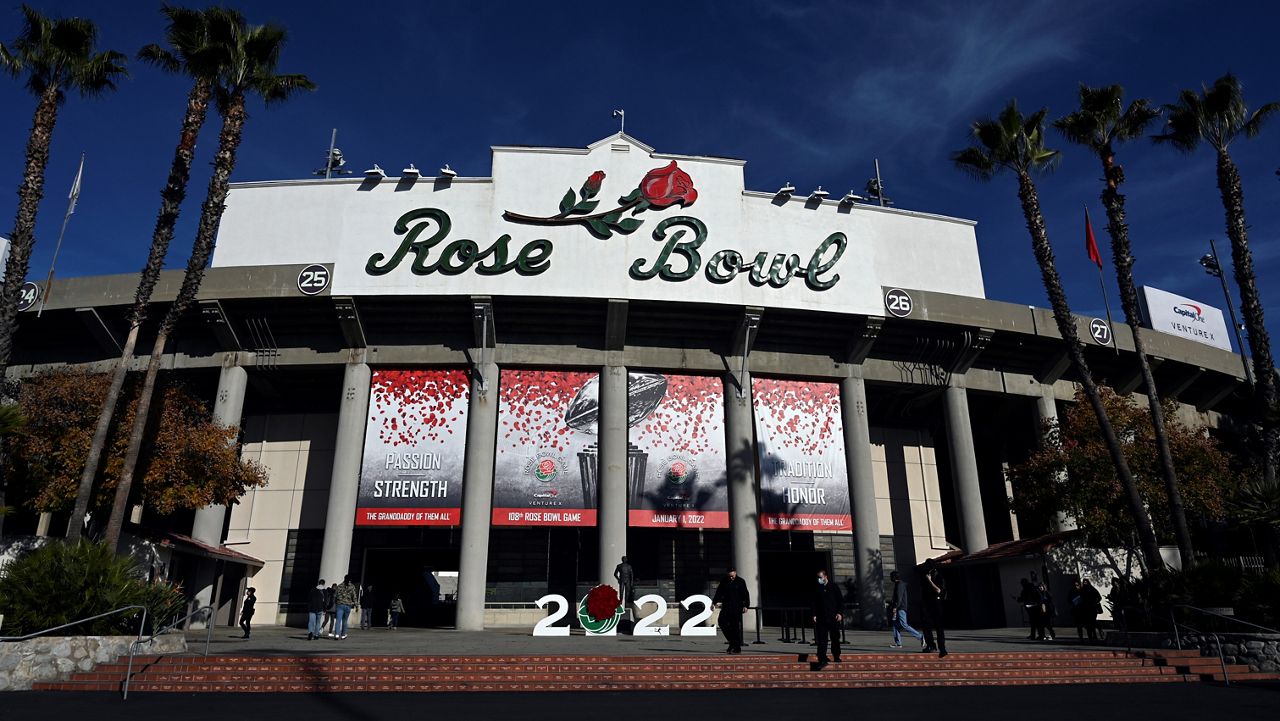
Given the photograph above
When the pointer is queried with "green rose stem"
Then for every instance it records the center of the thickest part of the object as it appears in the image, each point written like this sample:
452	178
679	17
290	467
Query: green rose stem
564	219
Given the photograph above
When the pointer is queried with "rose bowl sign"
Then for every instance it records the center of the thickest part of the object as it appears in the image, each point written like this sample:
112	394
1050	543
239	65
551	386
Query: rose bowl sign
615	220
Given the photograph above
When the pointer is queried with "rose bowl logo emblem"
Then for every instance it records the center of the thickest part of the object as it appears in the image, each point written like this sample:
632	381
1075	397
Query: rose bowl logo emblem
546	470
678	472
680	469
600	611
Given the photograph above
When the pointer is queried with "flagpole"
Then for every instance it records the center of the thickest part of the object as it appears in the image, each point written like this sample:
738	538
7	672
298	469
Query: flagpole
1102	283
71	208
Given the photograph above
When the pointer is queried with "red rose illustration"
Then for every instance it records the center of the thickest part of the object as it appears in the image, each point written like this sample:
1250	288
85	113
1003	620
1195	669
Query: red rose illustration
602	602
547	467
679	469
668	185
592	186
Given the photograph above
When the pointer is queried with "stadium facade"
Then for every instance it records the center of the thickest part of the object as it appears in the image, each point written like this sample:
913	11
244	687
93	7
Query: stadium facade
509	382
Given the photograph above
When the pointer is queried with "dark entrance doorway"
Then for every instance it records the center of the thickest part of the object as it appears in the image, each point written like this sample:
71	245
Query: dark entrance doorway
415	574
787	580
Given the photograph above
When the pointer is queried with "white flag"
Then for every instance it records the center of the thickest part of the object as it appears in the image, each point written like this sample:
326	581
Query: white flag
75	188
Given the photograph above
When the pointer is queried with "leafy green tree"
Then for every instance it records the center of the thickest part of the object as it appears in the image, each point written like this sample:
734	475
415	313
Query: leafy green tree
11	422
1015	143
1217	116
251	70
196	49
1078	448
1101	123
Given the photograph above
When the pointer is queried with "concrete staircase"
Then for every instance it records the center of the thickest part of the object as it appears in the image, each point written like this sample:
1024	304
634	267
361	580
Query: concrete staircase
322	673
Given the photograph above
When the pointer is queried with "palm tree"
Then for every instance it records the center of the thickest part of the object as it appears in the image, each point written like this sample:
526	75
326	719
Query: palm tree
55	56
1218	115
1100	124
1012	142
197	49
250	69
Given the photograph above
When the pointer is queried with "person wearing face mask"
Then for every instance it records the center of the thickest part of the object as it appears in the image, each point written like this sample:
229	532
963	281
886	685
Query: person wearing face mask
316	602
828	613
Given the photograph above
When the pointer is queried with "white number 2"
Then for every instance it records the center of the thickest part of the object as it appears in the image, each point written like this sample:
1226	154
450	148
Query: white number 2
694	627
645	626
545	627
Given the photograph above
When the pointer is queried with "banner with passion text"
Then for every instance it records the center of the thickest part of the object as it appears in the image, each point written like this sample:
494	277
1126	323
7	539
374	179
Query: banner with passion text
546	469
675	454
414	444
804	484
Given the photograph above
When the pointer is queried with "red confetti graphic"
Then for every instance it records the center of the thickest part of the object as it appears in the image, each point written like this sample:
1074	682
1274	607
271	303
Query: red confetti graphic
531	409
801	415
413	406
689	420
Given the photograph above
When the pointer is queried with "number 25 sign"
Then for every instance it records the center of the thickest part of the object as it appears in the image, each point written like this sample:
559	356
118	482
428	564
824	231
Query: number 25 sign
647	626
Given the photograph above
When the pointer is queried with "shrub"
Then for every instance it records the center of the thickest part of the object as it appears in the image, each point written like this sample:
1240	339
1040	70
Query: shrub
1260	598
58	583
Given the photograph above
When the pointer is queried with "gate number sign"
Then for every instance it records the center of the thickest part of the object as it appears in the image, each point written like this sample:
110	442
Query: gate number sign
898	302
313	279
1100	331
28	294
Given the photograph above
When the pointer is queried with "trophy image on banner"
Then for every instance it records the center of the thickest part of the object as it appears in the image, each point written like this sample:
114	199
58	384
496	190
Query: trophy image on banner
645	392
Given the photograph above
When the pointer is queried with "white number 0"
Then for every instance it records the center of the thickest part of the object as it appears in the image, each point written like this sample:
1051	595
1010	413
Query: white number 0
545	627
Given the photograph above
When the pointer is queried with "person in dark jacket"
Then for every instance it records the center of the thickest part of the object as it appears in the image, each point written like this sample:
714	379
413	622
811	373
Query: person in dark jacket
1088	604
1047	612
366	607
933	592
733	599
828	613
1029	597
246	610
898	602
316	601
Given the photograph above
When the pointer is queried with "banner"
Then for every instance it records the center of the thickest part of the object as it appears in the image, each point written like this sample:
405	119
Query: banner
804	484
414	444
545	471
675	451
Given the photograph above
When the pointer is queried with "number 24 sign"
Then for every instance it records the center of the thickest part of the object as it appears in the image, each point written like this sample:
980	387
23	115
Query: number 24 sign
646	626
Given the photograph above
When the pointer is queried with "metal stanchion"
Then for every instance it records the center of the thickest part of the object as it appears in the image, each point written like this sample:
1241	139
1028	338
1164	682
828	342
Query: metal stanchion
757	642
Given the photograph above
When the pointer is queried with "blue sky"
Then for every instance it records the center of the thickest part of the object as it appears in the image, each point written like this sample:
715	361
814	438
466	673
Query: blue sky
806	92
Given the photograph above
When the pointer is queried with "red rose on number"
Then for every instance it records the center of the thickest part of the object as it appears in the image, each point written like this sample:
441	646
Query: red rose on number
602	602
667	186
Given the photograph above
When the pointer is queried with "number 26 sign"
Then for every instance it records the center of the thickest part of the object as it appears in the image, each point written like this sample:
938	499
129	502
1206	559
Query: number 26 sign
647	626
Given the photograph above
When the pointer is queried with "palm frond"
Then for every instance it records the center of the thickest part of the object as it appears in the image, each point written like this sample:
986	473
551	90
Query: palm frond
9	62
976	163
279	88
1079	128
1136	119
99	73
1253	125
160	57
1183	122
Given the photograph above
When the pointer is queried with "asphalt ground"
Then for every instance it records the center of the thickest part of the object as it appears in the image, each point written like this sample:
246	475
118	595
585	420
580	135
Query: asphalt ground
1154	702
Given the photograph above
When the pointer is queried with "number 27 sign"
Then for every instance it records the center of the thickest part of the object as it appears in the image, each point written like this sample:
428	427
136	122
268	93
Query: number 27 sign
647	626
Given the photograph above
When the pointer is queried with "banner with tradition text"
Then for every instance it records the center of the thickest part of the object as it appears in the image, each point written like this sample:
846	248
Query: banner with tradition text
804	483
675	452
546	468
413	449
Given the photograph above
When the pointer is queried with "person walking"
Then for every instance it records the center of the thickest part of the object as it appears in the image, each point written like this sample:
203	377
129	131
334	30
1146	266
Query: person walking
330	608
316	604
397	608
1029	597
1090	606
934	592
344	597
1047	612
366	607
898	602
733	599
246	610
828	613
626	577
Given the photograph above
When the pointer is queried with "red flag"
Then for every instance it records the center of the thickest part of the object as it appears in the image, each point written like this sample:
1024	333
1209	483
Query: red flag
1090	244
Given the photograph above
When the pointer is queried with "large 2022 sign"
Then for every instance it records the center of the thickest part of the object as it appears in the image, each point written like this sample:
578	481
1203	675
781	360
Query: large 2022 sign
647	626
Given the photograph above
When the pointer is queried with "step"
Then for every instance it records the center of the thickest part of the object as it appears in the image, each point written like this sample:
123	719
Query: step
816	680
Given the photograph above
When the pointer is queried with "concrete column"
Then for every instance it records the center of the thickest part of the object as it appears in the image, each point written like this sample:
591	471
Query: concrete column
744	512
1047	411
862	496
612	488
477	497
964	466
340	519
228	407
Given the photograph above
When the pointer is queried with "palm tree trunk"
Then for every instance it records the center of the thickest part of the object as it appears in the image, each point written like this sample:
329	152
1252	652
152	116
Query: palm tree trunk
210	216
23	236
171	197
1122	256
1067	329
1251	307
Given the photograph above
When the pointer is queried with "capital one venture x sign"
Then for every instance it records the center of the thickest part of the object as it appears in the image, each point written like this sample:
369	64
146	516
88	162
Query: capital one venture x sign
427	244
